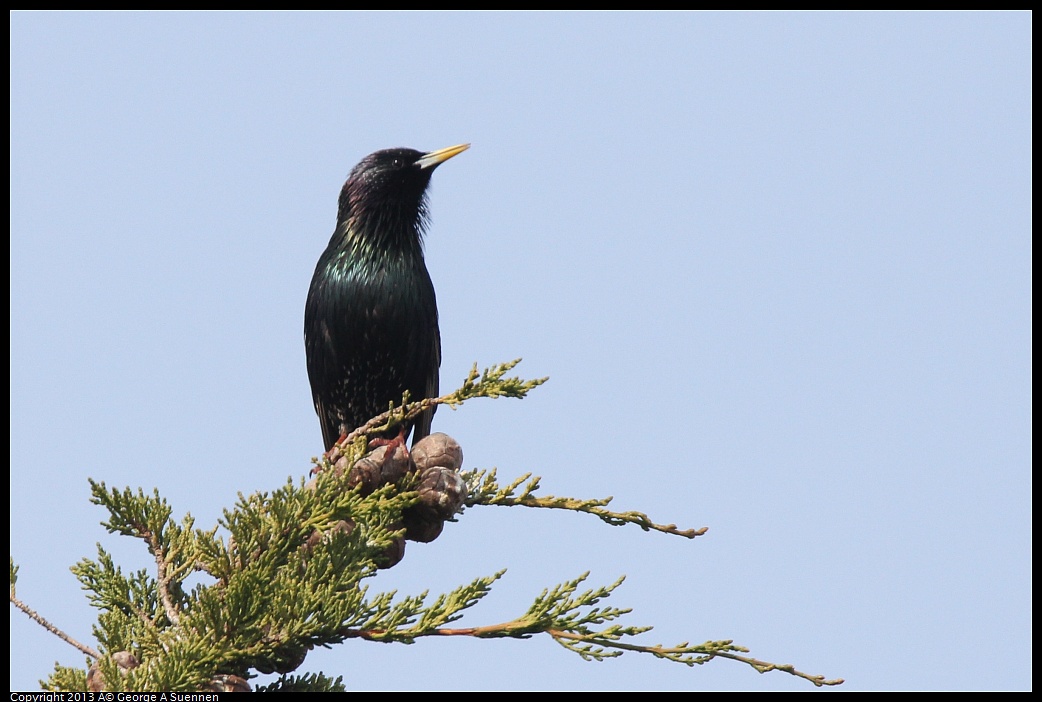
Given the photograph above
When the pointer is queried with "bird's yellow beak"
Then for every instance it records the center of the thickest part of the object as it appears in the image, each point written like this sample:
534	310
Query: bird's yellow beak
432	159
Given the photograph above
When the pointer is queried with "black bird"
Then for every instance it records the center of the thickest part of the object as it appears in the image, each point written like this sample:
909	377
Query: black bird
371	318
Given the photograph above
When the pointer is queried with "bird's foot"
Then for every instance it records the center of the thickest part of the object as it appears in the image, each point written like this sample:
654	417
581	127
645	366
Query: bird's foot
395	455
391	444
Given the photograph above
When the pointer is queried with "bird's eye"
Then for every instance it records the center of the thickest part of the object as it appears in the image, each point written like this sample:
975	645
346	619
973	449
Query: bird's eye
397	163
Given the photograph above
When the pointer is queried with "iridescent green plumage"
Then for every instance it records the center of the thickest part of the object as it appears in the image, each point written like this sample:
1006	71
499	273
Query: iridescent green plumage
371	318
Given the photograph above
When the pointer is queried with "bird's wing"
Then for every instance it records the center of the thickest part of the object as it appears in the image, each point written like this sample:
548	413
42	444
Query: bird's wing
321	355
423	423
331	429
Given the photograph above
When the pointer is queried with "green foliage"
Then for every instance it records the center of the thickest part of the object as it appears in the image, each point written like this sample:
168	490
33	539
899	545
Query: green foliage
489	383
306	683
486	491
284	572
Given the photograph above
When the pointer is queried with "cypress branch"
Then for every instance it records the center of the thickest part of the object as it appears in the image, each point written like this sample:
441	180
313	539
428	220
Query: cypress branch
287	571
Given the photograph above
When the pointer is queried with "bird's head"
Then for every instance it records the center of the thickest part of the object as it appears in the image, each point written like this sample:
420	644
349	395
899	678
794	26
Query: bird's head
384	200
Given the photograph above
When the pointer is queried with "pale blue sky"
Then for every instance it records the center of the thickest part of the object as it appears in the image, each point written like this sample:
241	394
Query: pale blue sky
777	267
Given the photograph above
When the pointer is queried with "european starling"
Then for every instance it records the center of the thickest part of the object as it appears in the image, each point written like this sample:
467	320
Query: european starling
371	318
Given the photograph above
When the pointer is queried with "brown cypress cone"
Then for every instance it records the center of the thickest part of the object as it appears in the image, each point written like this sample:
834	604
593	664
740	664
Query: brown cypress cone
438	457
437	449
124	659
383	465
228	683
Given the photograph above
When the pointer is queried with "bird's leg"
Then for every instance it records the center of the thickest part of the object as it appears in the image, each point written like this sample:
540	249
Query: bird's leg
336	444
334	453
